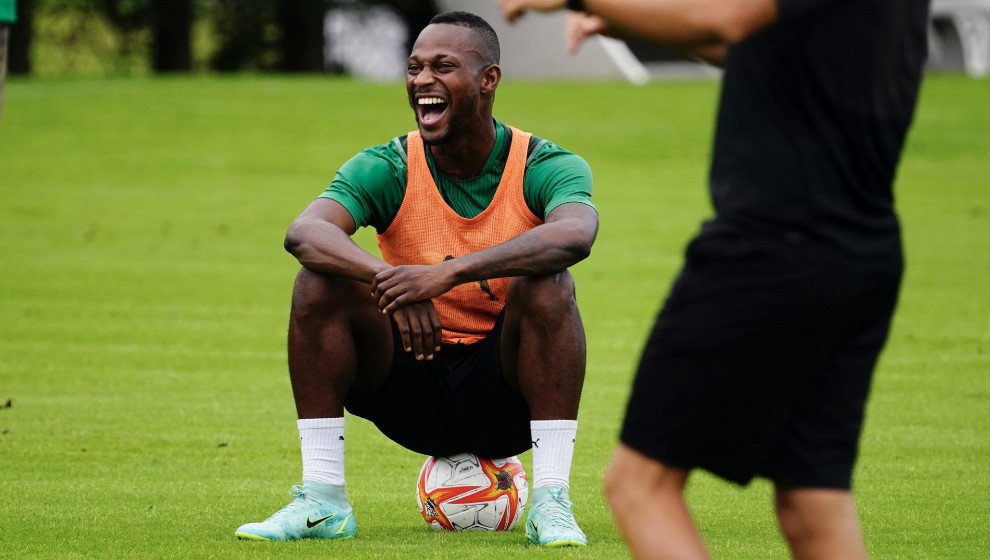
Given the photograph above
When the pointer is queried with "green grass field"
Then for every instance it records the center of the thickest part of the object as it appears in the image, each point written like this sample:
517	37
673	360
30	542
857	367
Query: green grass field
144	295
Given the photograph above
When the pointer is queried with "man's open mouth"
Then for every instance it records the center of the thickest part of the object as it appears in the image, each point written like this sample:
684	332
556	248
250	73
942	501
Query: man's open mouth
430	109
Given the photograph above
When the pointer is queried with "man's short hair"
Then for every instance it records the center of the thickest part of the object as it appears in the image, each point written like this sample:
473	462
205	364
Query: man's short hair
487	39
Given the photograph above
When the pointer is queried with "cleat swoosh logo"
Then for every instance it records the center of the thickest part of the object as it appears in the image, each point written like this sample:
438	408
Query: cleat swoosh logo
310	524
343	526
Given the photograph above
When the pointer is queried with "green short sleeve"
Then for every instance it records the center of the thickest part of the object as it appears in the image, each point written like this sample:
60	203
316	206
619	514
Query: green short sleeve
555	176
8	11
371	185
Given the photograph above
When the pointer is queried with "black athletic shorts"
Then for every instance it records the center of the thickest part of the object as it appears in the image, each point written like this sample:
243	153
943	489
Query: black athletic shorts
458	402
761	359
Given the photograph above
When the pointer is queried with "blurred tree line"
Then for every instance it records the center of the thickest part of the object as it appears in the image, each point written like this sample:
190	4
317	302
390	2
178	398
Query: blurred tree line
136	36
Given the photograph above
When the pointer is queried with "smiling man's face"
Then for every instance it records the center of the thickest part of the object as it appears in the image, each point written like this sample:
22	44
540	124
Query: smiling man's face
444	81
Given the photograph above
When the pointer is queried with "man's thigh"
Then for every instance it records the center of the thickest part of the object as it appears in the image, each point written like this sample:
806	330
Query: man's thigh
335	324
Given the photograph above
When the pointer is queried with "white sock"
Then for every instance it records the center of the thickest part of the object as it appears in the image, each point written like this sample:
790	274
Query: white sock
553	449
322	443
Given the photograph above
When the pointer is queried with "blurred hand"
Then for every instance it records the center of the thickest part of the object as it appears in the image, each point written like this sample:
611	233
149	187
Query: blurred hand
405	284
513	9
581	25
419	327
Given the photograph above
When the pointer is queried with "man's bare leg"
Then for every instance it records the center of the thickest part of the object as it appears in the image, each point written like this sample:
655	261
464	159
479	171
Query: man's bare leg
647	502
543	357
820	524
543	345
338	341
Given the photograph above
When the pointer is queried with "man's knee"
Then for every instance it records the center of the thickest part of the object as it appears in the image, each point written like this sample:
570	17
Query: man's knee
315	293
802	512
547	296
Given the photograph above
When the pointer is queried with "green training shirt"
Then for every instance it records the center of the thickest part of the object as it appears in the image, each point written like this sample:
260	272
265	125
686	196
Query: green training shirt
371	185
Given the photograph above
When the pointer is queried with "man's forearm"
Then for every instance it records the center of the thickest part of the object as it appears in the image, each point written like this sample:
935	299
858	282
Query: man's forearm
686	23
323	247
581	25
545	249
563	240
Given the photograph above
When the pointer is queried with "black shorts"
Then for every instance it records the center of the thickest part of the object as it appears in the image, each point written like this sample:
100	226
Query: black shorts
458	402
760	361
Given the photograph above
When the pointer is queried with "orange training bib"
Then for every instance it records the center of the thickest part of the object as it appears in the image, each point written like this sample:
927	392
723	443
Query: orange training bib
426	230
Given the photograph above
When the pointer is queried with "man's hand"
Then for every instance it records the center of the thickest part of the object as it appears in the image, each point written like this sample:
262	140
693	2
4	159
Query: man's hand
419	327
581	25
513	9
406	284
578	27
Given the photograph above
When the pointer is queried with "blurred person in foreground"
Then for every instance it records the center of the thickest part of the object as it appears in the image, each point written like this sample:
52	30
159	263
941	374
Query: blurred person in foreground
760	361
8	16
466	337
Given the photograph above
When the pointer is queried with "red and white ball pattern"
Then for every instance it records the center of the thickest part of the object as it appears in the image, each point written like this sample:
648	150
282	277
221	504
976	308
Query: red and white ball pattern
465	492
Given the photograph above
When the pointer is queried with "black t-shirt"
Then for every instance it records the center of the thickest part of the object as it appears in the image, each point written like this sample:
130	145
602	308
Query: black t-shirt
812	119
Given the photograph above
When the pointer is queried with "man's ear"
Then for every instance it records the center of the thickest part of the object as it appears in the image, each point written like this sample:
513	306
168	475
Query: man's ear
490	77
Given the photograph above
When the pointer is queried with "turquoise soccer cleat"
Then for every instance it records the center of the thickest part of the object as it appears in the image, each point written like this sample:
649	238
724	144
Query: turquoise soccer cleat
550	521
305	517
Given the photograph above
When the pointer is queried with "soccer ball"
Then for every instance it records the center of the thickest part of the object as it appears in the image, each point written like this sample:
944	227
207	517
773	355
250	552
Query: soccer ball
464	492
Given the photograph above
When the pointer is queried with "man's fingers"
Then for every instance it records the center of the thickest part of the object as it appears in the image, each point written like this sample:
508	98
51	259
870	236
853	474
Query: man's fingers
419	329
380	286
383	303
402	323
382	282
436	328
579	26
386	293
511	9
385	274
431	331
388	305
416	335
572	31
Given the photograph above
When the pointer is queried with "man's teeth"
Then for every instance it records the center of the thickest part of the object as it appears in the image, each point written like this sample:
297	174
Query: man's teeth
430	101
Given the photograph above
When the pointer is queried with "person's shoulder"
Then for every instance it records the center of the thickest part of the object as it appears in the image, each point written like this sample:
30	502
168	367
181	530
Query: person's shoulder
371	184
537	145
375	163
544	152
392	153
